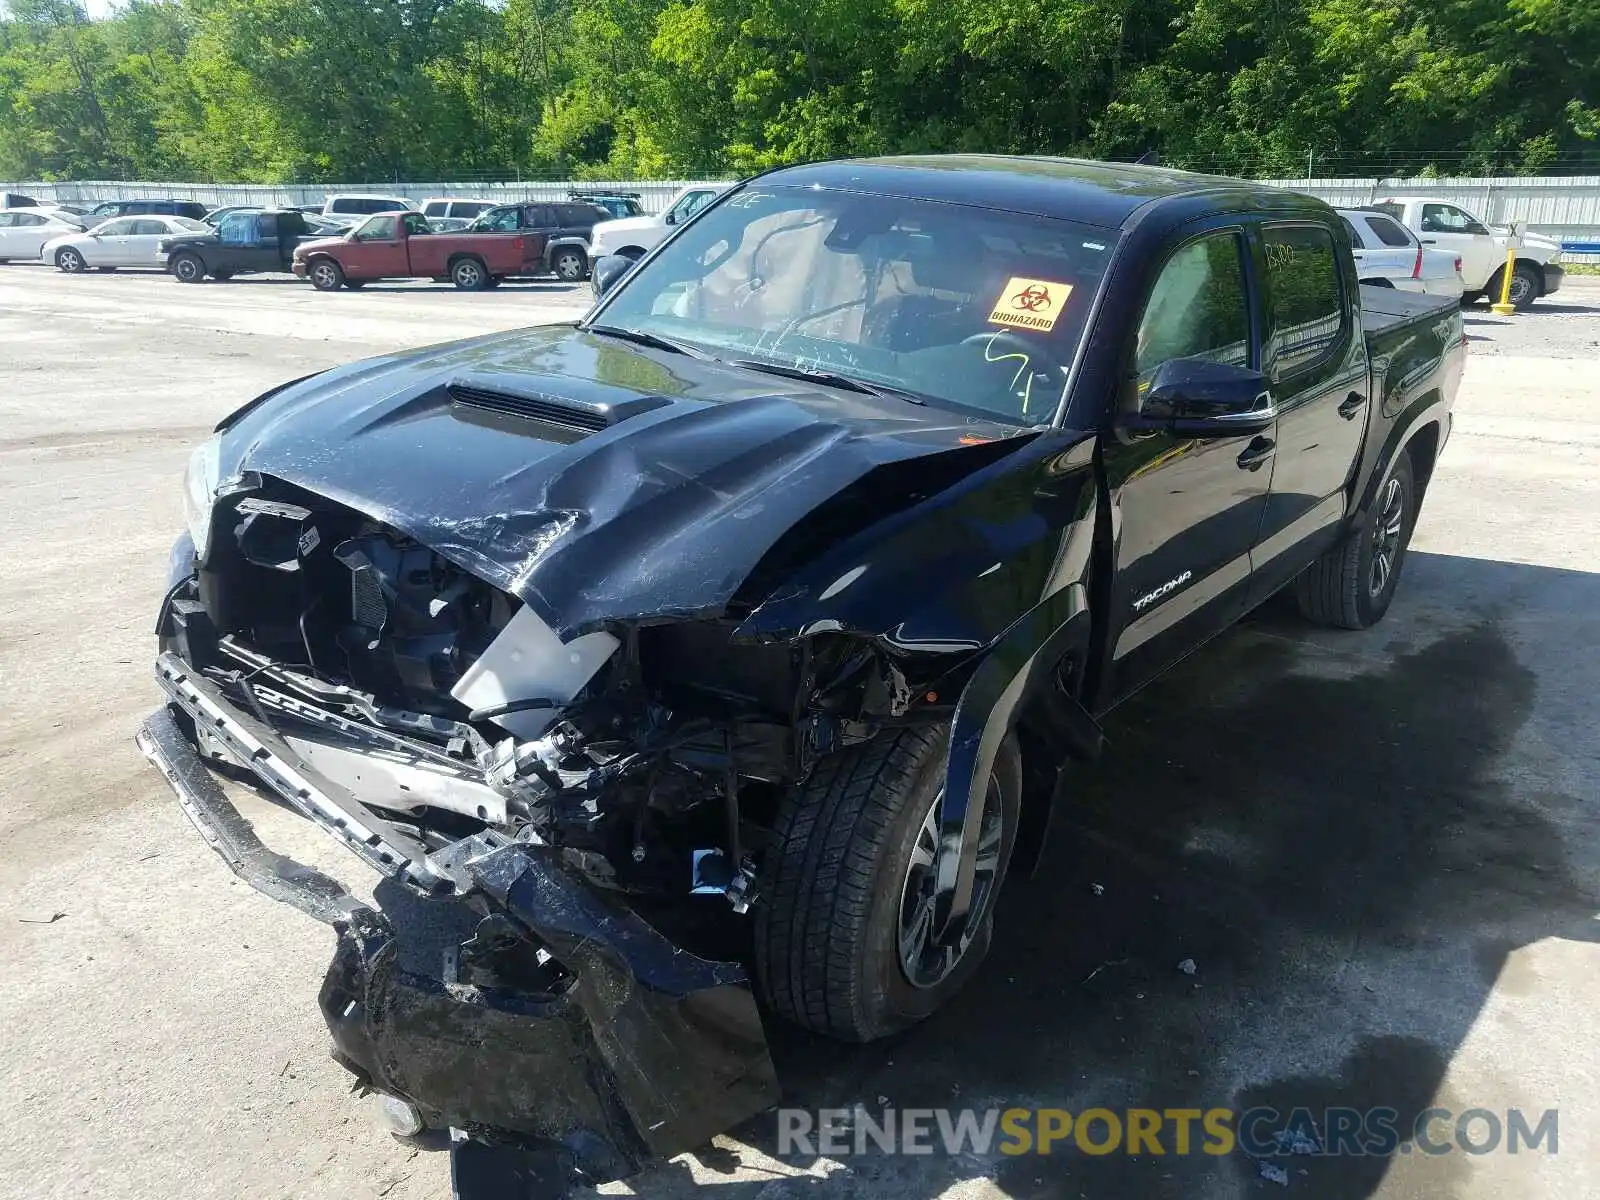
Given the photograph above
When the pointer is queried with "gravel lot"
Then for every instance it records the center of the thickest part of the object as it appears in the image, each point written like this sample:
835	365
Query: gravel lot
1379	849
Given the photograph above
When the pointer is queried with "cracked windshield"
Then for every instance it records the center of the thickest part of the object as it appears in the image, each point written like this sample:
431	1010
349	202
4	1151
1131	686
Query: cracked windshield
978	311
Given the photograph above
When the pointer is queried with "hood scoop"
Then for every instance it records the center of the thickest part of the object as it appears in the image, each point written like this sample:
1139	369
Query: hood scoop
513	405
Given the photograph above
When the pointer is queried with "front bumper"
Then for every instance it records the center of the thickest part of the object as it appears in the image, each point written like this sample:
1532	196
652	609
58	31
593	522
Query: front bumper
298	267
565	1026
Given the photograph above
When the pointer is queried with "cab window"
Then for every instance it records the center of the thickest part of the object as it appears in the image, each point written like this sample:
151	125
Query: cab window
236	229
1305	299
416	224
380	229
1447	218
1198	307
688	206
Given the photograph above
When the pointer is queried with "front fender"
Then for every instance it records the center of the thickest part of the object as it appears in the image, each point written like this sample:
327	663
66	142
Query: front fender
1019	668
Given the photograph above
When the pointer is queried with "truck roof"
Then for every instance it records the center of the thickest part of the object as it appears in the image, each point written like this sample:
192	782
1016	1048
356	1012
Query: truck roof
1094	193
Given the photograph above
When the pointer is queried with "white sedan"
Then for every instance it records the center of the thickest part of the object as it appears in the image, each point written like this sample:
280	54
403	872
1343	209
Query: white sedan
24	230
120	242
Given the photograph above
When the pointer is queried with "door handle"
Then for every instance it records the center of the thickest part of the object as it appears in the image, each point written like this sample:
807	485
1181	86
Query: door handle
1430	241
1257	454
1353	404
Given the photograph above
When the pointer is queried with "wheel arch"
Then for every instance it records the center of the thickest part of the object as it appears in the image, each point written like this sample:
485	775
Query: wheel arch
1423	447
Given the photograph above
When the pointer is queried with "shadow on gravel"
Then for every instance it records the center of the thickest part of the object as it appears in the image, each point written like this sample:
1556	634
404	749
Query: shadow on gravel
1319	824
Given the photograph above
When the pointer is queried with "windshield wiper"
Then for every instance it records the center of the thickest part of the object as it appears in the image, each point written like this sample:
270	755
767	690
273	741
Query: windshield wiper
653	340
827	379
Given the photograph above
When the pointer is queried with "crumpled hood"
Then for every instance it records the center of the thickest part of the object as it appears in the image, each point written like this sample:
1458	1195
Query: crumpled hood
664	514
626	225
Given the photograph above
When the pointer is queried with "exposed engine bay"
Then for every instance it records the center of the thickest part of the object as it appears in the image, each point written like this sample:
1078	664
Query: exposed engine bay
652	755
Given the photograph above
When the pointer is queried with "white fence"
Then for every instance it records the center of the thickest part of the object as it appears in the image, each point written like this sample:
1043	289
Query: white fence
654	195
1563	207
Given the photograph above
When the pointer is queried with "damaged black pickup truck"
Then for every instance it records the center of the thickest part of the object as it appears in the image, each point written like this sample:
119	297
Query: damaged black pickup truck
784	583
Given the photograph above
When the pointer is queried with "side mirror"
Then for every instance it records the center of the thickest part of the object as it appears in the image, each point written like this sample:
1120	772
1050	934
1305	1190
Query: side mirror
608	268
672	218
1193	397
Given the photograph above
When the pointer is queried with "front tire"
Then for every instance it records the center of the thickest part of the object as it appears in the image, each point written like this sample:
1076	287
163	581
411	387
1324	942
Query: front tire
325	275
70	261
842	944
1351	586
187	268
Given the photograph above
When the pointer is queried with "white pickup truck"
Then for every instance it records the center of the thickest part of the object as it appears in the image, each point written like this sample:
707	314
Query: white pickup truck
1445	226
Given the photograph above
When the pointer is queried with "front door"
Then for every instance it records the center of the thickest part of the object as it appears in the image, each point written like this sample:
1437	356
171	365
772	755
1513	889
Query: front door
109	247
376	250
1446	227
1316	364
1185	511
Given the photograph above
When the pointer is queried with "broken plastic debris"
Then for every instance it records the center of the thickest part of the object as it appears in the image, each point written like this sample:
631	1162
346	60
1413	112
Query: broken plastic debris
1296	1141
1187	966
1274	1173
1099	889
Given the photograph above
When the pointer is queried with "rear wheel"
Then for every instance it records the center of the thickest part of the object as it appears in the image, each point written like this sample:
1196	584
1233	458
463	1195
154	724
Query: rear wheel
1351	586
570	264
69	260
325	275
469	274
187	268
845	941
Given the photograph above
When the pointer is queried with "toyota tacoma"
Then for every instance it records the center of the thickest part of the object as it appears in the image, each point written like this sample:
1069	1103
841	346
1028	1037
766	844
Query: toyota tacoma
776	592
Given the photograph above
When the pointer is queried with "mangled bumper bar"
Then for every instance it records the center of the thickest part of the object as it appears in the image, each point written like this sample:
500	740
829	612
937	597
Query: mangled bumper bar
566	1025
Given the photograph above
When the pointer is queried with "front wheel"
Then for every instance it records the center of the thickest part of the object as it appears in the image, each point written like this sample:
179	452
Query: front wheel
326	275
70	261
845	942
1351	586
187	268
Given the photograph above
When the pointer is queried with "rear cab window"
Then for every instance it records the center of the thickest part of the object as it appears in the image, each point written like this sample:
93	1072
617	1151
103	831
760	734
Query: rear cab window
1306	310
1389	231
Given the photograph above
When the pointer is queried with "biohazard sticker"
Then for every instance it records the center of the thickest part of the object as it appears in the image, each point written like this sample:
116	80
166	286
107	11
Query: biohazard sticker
1031	304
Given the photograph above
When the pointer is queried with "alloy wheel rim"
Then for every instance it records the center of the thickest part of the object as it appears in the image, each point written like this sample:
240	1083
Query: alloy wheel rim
924	960
186	269
468	274
1386	536
70	260
567	266
323	274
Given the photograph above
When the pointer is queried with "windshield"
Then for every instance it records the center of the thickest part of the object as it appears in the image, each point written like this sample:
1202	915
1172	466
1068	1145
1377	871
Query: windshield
967	308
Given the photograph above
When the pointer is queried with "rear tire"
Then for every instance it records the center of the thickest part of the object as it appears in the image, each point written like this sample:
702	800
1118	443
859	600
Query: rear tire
469	274
570	264
841	886
325	275
187	268
1351	586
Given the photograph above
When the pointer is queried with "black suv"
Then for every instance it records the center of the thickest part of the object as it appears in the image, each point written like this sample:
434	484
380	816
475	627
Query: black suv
565	226
192	209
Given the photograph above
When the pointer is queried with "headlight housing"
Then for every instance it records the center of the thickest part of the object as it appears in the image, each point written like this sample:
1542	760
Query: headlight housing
200	483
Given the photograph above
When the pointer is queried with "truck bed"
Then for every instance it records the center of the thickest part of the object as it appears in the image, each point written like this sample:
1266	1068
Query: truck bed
1383	308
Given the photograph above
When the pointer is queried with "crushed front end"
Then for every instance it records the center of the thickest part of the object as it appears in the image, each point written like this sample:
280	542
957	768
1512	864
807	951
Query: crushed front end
381	692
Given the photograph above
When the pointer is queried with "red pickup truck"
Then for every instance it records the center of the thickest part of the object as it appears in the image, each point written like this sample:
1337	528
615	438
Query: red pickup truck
402	245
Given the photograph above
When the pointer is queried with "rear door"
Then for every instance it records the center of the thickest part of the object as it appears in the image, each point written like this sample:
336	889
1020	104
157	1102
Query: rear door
1316	364
146	236
21	234
1186	511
